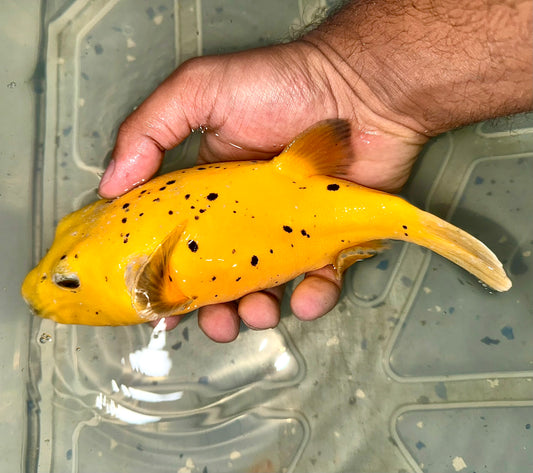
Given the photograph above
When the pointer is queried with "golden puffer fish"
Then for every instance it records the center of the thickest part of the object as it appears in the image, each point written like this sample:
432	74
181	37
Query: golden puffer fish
216	232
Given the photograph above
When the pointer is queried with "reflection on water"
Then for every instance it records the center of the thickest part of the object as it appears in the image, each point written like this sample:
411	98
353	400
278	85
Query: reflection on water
153	360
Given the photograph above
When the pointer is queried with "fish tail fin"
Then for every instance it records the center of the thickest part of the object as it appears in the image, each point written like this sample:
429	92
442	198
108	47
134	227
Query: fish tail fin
155	294
462	248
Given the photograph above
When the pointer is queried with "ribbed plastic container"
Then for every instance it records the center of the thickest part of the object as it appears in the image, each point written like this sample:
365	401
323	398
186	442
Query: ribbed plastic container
418	369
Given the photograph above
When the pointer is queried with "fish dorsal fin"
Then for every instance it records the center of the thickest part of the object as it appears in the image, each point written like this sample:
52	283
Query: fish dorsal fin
323	149
155	294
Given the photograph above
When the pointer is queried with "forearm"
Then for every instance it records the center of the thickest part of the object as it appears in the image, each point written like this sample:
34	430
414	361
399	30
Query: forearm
432	65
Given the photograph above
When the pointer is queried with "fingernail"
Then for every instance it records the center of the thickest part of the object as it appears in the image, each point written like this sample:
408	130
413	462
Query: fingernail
108	174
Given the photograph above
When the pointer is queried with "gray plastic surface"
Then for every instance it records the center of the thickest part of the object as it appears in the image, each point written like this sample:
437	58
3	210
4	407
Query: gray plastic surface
419	368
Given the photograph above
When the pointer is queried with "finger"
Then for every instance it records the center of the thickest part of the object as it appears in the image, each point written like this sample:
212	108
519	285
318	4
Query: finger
219	322
317	294
214	148
170	322
261	310
160	123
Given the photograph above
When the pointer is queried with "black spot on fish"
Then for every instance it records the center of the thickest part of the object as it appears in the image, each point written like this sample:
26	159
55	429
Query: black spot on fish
193	246
162	188
96	312
236	201
142	192
302	188
170	212
106	278
287	228
406	234
201	169
202	211
305	234
156	199
196	217
234	211
271	251
187	196
170	278
63	257
254	260
333	187
125	240
213	278
43	278
238	279
124	220
212	196
233	251
193	207
76	256
141	214
170	182
404	227
125	206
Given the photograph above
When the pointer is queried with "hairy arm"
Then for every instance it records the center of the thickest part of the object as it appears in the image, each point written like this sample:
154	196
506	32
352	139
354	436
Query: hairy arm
432	65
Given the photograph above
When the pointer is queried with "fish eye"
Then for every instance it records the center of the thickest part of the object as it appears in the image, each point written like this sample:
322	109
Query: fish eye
67	281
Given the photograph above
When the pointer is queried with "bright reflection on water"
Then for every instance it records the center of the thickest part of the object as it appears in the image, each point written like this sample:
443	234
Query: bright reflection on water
282	361
113	409
145	396
153	360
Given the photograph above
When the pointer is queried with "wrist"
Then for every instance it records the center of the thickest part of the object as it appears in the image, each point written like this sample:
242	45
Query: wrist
430	67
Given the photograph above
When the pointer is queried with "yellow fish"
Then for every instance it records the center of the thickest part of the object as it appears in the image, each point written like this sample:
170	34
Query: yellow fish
214	233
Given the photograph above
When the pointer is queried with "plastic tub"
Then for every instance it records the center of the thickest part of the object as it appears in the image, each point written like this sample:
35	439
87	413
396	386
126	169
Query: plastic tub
419	368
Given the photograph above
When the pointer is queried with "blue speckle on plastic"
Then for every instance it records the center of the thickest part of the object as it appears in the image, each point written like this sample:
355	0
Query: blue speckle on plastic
507	332
490	341
441	391
383	265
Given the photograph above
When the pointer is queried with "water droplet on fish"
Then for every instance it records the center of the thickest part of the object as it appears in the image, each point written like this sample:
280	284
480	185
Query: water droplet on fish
45	338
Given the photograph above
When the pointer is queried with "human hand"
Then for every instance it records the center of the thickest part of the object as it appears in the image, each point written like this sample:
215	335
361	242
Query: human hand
251	105
395	88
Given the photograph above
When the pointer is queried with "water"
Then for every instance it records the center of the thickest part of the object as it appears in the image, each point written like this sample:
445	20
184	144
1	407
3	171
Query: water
396	378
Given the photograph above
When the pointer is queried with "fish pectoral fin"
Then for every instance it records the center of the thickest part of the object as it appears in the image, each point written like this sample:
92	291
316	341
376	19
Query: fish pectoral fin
353	254
324	149
155	295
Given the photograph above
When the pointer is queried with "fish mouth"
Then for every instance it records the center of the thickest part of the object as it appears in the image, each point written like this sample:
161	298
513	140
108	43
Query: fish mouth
31	294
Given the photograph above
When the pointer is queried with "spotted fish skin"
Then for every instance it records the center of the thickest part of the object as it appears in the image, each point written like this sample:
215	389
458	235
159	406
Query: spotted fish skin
214	233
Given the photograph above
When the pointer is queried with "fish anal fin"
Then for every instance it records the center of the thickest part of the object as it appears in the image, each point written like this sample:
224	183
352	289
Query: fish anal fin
323	149
362	251
155	293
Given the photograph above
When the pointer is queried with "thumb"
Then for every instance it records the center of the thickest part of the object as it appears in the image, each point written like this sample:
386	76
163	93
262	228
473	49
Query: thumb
160	123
